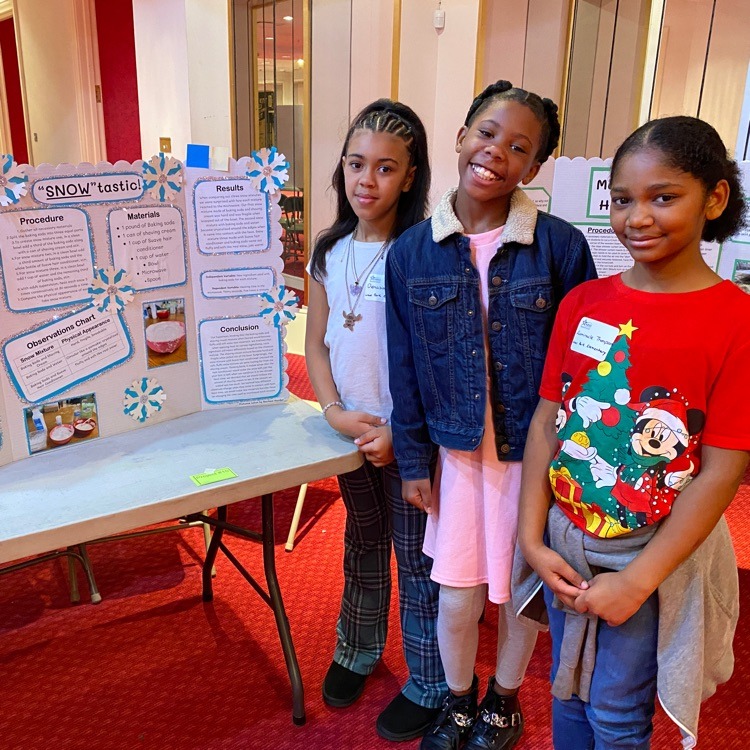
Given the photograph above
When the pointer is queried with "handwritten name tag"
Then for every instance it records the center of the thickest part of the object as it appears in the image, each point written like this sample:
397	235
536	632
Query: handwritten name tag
375	287
594	338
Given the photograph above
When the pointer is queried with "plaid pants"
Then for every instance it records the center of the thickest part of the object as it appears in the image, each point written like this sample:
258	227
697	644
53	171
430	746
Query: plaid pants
377	517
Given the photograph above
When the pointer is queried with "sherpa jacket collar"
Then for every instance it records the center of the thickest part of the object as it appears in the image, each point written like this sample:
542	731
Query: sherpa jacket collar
518	228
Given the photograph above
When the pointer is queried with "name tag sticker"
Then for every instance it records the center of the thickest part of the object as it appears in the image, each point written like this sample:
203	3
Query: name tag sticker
211	476
375	287
594	338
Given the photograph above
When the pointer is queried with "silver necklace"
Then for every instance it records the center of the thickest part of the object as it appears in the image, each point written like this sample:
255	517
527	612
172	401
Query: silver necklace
360	279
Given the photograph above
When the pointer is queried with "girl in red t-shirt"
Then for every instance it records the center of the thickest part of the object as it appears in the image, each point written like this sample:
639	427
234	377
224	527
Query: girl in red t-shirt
642	434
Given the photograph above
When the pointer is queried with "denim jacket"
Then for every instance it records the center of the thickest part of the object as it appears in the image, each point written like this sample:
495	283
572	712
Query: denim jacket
436	339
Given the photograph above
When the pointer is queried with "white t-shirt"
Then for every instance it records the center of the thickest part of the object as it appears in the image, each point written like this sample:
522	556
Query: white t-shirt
359	358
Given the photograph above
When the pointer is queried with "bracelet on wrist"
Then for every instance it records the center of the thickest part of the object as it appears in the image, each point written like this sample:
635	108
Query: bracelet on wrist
329	405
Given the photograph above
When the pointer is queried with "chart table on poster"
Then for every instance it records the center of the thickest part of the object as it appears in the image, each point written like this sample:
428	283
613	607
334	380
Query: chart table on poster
144	477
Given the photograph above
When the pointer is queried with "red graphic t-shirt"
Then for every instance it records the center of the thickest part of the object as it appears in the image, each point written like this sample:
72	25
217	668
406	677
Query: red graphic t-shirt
643	380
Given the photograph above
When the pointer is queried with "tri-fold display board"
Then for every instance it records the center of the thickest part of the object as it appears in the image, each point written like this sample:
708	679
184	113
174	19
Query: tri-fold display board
135	293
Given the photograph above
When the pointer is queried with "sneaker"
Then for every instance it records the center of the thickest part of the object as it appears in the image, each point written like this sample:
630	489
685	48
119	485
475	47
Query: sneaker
341	686
454	722
403	719
499	725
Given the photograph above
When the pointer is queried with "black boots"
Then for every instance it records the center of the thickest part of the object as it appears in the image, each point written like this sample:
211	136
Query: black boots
454	722
403	719
499	724
496	725
341	686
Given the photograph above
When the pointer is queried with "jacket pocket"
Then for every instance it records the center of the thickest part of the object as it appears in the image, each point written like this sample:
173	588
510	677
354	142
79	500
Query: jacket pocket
534	305
534	311
433	307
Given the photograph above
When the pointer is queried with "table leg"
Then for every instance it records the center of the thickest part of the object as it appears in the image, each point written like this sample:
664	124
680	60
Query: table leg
213	548
282	623
96	597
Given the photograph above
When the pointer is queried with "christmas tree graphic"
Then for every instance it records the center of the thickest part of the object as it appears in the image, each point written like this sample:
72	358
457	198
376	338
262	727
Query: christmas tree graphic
594	442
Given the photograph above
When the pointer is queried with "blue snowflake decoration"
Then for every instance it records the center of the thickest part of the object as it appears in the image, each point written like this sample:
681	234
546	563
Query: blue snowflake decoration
281	306
111	290
271	172
143	398
12	181
162	177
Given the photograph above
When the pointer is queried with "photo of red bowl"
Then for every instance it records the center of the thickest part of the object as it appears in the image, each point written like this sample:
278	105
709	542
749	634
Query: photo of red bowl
82	428
165	337
60	434
162	314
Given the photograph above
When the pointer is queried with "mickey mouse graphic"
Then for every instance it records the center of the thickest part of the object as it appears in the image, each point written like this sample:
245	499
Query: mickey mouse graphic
659	462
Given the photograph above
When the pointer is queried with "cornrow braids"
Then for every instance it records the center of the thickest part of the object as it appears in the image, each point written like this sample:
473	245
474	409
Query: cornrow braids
387	121
693	146
545	110
381	116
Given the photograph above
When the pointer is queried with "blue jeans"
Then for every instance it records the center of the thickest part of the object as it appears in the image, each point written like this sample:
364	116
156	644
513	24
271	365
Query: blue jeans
623	686
377	518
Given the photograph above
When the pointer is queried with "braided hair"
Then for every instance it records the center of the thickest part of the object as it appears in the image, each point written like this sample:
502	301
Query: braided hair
545	111
693	146
381	116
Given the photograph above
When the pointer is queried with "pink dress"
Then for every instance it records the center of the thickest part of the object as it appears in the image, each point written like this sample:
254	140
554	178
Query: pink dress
471	533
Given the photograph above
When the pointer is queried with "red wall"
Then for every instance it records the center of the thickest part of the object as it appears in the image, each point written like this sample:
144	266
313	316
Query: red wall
13	91
114	28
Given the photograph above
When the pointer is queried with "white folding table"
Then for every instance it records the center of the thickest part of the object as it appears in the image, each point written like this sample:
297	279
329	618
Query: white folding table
66	497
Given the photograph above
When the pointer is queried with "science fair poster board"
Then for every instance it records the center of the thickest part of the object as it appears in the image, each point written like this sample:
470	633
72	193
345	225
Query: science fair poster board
734	258
132	293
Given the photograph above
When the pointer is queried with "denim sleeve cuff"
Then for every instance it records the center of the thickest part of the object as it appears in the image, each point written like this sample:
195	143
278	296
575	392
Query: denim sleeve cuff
412	468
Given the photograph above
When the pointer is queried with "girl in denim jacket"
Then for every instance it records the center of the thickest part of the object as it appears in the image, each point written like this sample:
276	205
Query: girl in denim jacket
472	296
381	182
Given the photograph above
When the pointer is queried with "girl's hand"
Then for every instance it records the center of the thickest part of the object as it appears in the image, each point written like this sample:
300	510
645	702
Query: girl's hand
352	423
563	580
611	597
418	492
377	445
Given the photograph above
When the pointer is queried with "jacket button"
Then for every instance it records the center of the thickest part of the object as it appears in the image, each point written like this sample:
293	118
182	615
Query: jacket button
473	440
504	448
473	352
541	303
467	269
499	366
470	313
496	281
500	408
496	325
476	397
433	300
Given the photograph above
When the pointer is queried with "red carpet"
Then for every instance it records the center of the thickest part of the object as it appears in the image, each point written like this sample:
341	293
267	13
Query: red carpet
154	667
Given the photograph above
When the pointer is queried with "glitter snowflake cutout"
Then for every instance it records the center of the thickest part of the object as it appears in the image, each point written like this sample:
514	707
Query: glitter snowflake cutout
111	290
281	306
143	398
162	177
12	181
271	172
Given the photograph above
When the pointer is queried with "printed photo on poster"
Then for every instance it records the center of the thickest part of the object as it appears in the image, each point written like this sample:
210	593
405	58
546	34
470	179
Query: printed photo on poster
57	423
164	332
741	274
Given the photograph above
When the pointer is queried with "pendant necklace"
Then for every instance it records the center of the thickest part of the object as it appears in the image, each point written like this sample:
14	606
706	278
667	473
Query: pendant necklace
360	279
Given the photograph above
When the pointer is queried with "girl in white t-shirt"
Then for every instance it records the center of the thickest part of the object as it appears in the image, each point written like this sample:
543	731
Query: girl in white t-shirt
382	183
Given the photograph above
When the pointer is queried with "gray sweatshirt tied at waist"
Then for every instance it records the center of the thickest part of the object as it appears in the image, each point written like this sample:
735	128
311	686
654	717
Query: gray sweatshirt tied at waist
698	611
